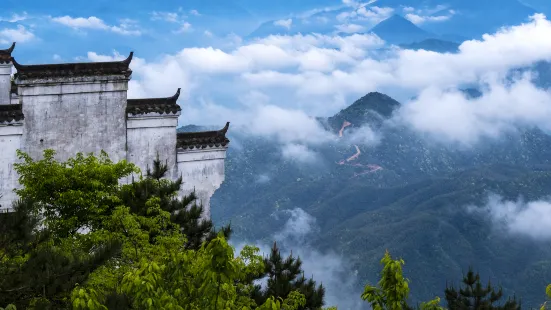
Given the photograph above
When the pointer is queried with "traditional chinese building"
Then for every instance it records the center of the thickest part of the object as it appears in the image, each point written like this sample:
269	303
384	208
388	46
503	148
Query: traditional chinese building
83	107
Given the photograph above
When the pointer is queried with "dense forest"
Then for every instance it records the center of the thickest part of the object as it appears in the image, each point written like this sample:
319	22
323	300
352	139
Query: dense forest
78	238
431	203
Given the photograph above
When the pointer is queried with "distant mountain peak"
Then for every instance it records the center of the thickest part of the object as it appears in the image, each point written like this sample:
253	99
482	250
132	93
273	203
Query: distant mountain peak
377	102
398	30
371	109
396	20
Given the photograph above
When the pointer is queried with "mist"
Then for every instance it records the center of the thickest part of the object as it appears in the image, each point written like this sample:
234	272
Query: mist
328	268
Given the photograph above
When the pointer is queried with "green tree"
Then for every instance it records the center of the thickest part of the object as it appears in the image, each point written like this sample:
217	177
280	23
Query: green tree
35	273
184	211
84	212
474	296
548	293
285	276
392	290
73	195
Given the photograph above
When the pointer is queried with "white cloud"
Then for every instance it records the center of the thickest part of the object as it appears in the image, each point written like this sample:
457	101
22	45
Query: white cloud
126	27
170	17
14	18
263	179
418	19
284	125
194	12
350	28
318	75
176	18
285	23
184	27
369	14
300	153
532	219
208	33
449	115
19	34
327	268
56	57
424	15
93	22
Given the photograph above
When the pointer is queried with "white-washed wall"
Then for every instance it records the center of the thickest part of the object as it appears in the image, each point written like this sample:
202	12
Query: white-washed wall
73	115
202	171
5	83
150	134
10	141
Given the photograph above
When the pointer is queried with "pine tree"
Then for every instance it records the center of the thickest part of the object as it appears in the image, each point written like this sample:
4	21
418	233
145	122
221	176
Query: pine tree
283	277
473	296
45	278
185	211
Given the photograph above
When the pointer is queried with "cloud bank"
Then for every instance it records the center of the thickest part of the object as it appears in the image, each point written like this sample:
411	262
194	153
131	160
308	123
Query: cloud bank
294	77
531	219
340	281
126	27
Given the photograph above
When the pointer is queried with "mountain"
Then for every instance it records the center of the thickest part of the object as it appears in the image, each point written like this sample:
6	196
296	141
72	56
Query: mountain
470	19
404	194
398	30
371	109
435	45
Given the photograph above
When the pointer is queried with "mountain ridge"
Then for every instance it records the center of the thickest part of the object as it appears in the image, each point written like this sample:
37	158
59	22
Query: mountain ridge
361	210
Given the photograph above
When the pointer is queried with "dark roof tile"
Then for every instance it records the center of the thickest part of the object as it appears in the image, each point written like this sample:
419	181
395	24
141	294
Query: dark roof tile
154	105
74	69
202	139
11	112
5	55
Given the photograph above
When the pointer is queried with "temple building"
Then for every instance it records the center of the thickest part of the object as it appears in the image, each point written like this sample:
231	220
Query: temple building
83	107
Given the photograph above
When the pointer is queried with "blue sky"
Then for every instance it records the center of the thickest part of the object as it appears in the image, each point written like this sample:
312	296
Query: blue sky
148	27
304	58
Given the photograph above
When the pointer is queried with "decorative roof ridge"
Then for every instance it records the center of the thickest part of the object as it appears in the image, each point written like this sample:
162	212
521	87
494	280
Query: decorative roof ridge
166	105
5	55
9	50
11	112
10	107
221	132
202	139
74	68
171	99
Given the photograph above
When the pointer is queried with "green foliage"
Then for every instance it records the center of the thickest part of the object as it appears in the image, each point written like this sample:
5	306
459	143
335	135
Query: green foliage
184	212
35	272
392	290
143	248
476	297
548	293
432	305
71	195
286	276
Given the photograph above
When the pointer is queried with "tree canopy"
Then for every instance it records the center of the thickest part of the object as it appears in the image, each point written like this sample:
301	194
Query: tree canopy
88	233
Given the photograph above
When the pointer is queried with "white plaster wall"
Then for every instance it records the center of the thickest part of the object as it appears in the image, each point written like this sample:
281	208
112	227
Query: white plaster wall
10	141
74	115
149	134
202	171
14	99
5	83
